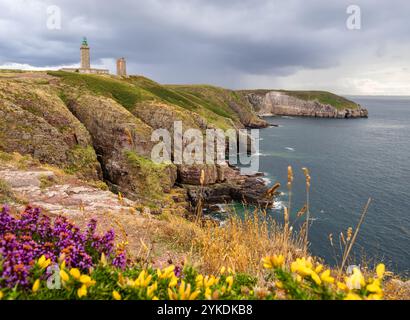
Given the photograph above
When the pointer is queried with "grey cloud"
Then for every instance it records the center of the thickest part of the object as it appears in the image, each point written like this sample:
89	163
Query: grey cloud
202	40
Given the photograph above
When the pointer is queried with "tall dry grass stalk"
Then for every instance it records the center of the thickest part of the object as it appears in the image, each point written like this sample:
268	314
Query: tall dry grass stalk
351	240
199	205
306	231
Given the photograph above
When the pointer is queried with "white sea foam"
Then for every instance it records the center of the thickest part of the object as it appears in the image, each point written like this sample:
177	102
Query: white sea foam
267	180
277	205
290	149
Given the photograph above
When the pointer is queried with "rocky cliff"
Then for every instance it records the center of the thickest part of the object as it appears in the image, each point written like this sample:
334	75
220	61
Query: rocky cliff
304	104
99	128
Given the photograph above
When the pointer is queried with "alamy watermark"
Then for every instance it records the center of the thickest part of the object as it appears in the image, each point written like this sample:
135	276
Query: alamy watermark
193	147
53	17
354	20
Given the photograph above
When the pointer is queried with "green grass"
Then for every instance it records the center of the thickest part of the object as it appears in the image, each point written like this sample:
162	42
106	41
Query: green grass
6	193
152	175
124	93
323	97
212	98
82	160
11	71
164	93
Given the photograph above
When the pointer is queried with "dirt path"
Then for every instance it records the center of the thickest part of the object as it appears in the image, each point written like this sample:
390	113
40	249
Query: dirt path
80	202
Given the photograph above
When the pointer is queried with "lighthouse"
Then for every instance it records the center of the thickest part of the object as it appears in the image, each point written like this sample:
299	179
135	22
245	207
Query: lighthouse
85	54
85	65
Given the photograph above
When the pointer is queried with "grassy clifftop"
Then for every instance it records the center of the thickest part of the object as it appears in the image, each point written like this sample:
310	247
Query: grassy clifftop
221	107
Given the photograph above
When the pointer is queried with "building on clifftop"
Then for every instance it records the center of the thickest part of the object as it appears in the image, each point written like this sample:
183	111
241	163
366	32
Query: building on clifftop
121	67
85	66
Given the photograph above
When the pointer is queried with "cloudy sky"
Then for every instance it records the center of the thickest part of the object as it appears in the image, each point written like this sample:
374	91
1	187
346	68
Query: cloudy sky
289	44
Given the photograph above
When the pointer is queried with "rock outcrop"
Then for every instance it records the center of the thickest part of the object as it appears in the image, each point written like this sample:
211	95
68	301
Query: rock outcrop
123	145
35	121
280	103
234	186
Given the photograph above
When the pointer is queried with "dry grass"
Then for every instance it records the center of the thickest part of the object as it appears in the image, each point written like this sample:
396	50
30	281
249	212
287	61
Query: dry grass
239	243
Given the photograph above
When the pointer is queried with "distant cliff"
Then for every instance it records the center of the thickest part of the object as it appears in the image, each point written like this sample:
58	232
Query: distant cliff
317	104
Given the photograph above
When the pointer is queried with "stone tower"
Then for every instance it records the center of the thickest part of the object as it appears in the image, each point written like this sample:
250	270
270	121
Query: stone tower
85	55
121	67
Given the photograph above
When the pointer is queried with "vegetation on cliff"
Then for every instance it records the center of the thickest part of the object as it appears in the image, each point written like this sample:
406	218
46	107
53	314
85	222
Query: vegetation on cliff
44	259
323	97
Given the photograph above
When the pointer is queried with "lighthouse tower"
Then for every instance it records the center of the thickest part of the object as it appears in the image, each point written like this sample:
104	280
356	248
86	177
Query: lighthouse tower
85	55
85	66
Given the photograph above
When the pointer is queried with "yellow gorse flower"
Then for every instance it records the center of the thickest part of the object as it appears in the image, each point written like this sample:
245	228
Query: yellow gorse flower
319	268
86	280
208	294
166	273
64	275
341	286
275	261
229	281
375	296
173	282
205	282
183	293
352	296
1	295
116	295
82	292
302	266
143	279
375	287
326	277
315	277
36	286
43	262
380	270
75	273
151	290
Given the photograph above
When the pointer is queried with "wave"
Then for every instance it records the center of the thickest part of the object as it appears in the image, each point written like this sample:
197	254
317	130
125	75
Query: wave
290	149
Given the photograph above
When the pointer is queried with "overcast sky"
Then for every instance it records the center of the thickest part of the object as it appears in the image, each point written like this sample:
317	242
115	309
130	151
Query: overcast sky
288	44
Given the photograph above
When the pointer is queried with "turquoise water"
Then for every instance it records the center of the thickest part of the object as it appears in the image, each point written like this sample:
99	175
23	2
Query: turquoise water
350	161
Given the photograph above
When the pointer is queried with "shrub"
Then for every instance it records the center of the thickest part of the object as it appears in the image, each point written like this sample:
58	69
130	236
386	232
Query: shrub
44	260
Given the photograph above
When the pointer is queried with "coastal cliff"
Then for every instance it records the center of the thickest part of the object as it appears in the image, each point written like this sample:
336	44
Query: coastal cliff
304	104
99	129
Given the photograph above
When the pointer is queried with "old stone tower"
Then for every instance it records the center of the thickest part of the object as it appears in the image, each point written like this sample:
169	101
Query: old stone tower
85	65
121	67
85	55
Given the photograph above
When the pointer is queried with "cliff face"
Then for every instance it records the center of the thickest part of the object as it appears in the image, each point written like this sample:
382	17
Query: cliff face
99	127
285	104
35	121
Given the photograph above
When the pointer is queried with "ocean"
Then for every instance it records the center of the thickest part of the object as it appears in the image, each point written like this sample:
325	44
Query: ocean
349	160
